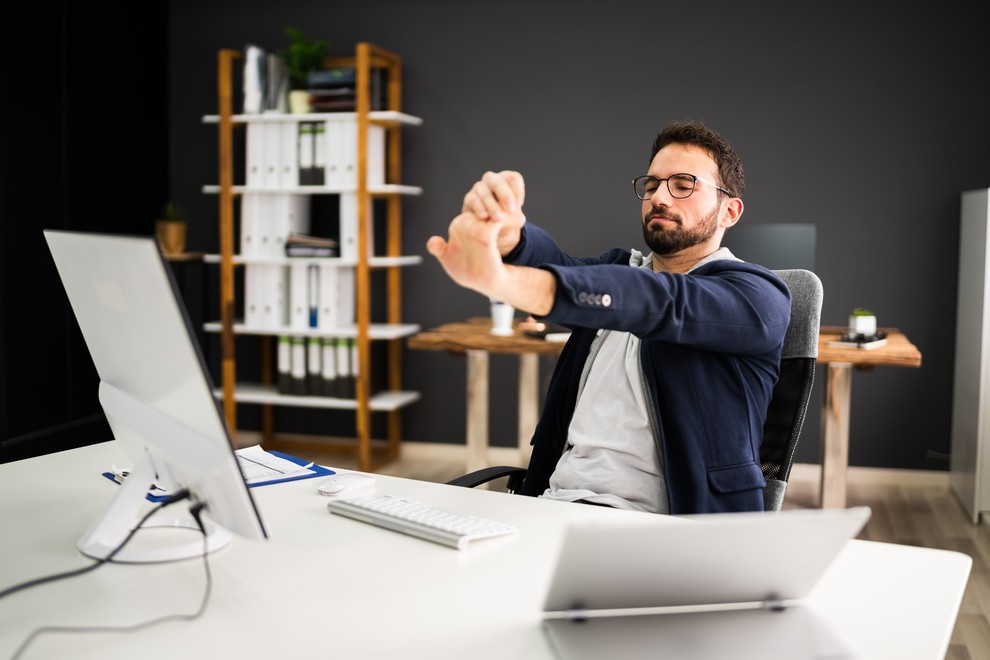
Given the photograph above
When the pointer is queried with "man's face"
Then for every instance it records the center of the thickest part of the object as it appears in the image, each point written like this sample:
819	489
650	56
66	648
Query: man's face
672	224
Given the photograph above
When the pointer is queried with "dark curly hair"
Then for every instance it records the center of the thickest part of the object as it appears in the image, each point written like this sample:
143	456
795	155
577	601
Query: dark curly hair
730	168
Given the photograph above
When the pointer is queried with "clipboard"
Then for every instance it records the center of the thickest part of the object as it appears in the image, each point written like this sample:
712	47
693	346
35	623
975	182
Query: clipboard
317	471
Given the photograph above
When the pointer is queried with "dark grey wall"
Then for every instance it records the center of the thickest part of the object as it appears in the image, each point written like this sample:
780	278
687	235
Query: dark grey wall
89	153
864	121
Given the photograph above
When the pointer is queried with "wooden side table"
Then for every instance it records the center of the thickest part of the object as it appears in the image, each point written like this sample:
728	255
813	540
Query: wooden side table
473	338
839	363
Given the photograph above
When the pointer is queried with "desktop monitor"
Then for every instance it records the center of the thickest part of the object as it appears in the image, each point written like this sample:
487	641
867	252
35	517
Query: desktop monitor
776	245
158	399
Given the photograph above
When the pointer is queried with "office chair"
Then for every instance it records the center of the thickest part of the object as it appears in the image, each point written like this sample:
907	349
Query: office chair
788	402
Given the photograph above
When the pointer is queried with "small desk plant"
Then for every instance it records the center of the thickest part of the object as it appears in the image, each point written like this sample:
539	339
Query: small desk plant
862	322
302	56
171	227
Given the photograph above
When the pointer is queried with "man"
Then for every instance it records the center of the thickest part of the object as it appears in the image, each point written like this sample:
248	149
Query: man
658	400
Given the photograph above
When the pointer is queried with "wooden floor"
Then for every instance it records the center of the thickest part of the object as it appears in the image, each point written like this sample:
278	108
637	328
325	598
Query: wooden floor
909	507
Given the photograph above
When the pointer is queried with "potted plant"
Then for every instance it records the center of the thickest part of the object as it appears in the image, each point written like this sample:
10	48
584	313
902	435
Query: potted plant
171	228
862	322
302	56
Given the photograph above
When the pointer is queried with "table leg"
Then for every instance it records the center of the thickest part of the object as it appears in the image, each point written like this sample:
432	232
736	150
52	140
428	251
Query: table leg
529	402
477	410
835	434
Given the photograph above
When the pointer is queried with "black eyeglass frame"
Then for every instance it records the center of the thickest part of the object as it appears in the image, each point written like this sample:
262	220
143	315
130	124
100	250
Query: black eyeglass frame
693	177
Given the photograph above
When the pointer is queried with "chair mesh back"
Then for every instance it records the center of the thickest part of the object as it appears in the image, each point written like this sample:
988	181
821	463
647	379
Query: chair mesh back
789	401
785	417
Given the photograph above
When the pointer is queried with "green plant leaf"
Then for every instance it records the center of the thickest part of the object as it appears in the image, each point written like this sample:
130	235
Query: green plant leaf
172	211
302	56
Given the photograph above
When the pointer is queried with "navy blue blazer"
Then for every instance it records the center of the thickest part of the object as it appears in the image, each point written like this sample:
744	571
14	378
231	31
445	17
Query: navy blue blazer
710	348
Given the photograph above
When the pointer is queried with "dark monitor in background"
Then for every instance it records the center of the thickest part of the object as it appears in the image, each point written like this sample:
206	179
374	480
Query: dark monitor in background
776	245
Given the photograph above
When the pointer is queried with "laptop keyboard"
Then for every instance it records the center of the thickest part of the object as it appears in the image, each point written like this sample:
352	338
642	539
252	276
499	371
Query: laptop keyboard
455	530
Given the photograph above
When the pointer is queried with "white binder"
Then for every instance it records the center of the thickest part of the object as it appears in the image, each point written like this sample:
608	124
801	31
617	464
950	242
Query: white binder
376	155
299	294
327	312
297	365
345	300
328	363
250	225
272	176
333	153
289	158
255	154
349	227
320	150
275	295
253	295
347	147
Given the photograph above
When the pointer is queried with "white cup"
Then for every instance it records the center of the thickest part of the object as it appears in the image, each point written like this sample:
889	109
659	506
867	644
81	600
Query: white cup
502	317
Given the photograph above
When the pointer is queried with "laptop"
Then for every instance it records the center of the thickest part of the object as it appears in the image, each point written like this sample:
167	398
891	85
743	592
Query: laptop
702	586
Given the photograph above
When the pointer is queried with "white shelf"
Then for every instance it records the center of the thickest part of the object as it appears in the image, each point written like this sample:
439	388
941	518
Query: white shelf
382	189
265	394
374	262
376	116
384	262
378	331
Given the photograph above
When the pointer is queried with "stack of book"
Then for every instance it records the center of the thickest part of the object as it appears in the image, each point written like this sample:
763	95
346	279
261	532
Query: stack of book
334	90
859	340
302	245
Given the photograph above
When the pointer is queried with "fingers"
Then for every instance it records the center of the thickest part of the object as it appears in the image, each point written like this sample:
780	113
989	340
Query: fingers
481	201
496	194
502	189
518	186
436	246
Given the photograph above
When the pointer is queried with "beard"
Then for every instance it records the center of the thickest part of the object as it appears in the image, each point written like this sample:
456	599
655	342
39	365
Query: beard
665	241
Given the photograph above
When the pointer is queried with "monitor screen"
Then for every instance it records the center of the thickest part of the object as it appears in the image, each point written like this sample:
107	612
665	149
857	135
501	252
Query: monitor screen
156	392
776	245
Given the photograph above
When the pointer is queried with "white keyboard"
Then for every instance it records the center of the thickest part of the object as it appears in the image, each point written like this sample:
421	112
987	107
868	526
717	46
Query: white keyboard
417	519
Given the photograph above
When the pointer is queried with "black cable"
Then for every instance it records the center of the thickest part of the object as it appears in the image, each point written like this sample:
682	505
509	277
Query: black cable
178	496
196	511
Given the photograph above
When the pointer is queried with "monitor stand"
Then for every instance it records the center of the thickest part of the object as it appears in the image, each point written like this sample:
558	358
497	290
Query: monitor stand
161	539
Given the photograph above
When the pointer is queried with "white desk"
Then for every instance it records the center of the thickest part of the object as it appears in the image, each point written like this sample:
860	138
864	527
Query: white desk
327	586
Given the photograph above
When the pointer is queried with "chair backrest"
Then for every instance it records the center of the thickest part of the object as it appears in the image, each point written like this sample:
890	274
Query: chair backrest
789	401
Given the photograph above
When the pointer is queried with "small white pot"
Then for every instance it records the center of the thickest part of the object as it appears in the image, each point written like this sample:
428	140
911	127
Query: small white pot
863	325
299	102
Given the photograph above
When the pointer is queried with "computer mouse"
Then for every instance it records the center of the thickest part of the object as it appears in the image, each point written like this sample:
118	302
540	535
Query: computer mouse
341	482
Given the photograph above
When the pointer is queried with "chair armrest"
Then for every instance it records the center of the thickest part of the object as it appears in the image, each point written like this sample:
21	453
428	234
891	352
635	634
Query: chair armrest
484	475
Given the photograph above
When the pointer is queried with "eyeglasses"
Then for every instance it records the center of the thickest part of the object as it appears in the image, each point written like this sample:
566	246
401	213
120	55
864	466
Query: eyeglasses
678	185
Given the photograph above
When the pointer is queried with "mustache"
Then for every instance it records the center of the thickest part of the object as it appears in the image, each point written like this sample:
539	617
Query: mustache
662	214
